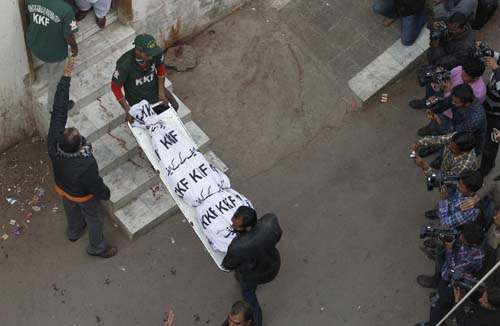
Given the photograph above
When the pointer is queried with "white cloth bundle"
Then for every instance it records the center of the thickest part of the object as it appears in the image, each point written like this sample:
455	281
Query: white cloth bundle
192	178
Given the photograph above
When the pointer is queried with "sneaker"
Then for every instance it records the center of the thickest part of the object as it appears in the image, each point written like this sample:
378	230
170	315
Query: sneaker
432	214
108	253
417	104
427	150
428	282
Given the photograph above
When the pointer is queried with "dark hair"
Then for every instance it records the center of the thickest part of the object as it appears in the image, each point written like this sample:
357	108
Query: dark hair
248	214
464	92
242	307
474	67
473	233
465	141
70	141
493	294
473	180
458	18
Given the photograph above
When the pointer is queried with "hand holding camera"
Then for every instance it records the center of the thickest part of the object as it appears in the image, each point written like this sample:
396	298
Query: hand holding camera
443	192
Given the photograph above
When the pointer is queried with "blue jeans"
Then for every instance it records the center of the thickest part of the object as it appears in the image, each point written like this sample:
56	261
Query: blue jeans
411	26
248	294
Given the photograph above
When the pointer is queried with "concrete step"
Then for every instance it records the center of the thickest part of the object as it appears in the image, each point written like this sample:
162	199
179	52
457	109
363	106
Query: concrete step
387	67
151	207
99	45
119	145
105	114
130	180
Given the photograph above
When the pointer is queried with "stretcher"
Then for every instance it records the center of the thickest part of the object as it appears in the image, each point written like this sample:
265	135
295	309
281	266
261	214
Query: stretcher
144	140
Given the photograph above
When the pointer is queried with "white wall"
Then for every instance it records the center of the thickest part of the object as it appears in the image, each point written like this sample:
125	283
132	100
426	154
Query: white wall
158	16
15	109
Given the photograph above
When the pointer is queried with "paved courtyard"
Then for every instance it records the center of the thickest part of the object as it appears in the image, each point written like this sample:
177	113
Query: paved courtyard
271	91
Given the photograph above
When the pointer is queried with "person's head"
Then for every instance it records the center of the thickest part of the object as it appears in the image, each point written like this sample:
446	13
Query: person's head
456	23
472	70
462	96
241	314
470	182
491	298
244	218
472	234
462	142
146	47
71	140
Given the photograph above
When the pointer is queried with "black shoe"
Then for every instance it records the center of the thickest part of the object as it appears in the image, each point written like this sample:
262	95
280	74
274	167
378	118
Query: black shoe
430	243
436	163
432	214
417	104
429	253
424	131
108	253
497	178
428	282
82	232
427	150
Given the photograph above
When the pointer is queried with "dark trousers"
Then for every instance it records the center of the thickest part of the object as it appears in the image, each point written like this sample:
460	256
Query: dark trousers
442	304
248	293
91	214
490	148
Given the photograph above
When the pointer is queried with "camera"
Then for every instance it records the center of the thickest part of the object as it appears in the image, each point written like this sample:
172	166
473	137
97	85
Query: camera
482	50
438	105
438	232
439	31
432	74
464	281
436	180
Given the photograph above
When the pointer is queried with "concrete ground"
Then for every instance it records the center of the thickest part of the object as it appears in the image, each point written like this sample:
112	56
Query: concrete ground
271	91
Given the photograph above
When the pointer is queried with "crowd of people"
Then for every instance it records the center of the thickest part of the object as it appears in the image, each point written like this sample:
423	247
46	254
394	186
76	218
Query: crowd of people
463	113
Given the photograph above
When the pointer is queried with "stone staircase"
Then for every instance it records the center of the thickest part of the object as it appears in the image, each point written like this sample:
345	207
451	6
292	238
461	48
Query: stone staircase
139	201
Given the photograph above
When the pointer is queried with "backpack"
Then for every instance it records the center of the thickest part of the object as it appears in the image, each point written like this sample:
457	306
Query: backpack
485	10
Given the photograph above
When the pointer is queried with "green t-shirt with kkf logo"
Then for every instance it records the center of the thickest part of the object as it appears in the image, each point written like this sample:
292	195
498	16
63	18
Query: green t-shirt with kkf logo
50	22
140	83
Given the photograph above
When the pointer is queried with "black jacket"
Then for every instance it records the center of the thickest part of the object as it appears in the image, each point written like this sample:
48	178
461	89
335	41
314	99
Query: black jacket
453	52
406	8
75	173
253	254
479	317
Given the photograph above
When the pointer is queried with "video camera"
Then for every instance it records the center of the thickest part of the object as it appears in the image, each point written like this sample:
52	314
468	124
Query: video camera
438	105
482	50
438	232
432	74
437	179
464	281
439	31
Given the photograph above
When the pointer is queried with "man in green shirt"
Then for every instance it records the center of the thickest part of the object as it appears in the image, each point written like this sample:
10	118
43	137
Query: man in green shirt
51	29
141	73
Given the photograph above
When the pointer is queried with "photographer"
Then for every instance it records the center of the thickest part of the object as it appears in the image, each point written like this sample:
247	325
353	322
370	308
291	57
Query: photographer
464	256
444	9
450	42
492	108
458	154
410	12
486	312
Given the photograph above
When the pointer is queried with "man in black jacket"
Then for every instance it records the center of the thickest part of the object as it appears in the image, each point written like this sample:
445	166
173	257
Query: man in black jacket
411	13
253	254
76	174
486	314
454	47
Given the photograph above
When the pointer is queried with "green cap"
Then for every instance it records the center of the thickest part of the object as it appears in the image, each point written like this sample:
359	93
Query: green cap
147	44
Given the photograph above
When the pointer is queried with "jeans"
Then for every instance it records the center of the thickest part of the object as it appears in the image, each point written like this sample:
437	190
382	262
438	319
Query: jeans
248	294
490	149
411	26
90	213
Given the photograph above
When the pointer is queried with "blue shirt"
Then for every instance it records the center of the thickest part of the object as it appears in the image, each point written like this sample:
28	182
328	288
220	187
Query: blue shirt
451	215
471	119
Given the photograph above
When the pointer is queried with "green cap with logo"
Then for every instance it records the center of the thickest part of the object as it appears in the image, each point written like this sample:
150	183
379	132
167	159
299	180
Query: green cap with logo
147	44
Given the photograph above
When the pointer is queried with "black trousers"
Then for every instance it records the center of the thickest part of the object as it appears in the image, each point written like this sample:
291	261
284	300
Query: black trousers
88	214
443	304
490	148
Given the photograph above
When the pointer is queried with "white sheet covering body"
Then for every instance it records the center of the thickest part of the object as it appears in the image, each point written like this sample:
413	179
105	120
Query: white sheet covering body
202	191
